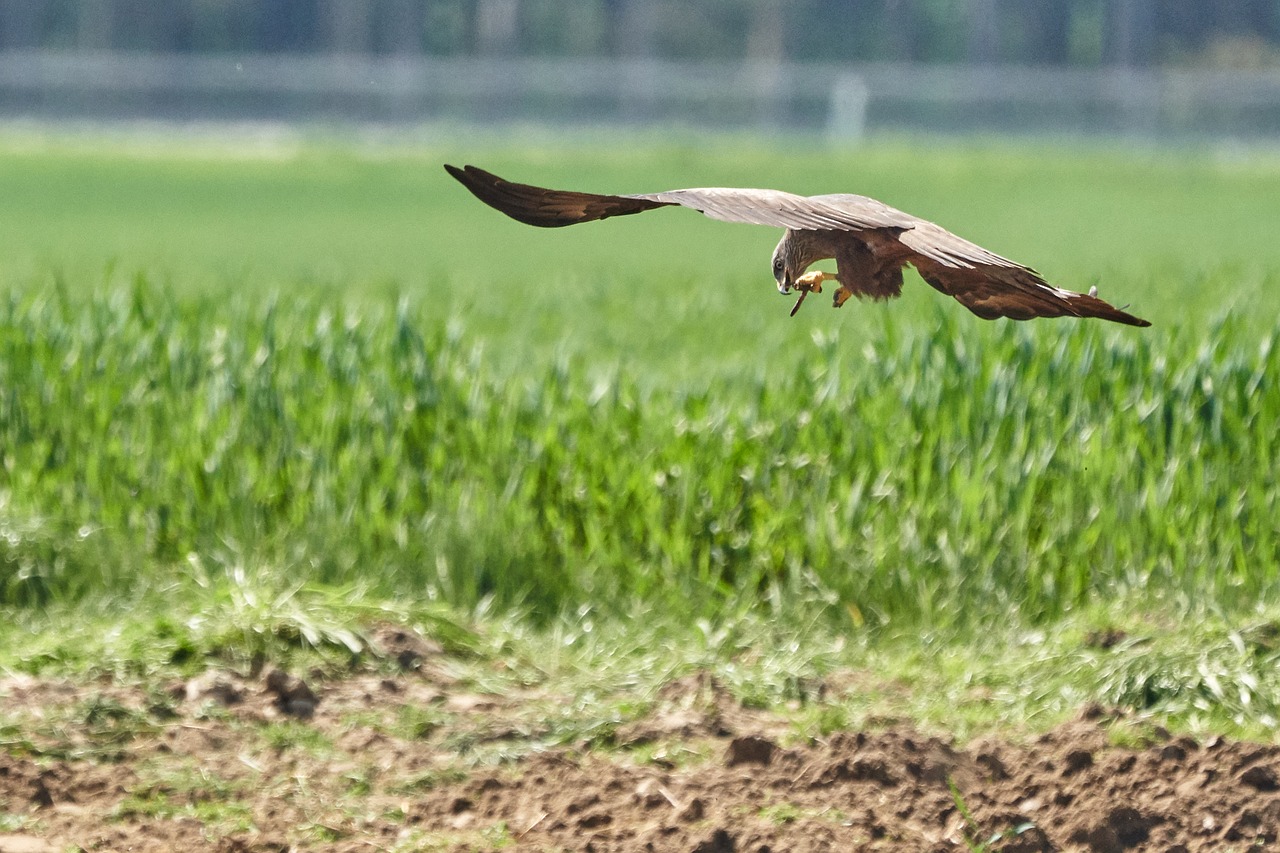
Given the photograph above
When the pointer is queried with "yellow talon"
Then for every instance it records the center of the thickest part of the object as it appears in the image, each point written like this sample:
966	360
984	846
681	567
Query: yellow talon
812	281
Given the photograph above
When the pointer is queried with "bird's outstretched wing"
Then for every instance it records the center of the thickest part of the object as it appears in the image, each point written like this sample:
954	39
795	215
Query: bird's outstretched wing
555	208
992	286
1018	293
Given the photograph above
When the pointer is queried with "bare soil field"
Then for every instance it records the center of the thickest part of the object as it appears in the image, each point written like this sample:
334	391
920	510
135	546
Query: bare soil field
265	761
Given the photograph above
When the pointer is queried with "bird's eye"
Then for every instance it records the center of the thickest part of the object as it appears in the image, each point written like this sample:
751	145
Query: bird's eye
777	264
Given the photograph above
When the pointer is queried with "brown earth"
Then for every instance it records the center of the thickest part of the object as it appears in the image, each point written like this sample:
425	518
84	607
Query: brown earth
274	763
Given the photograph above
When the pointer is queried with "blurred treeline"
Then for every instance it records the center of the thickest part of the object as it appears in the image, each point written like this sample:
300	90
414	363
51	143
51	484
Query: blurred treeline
1222	33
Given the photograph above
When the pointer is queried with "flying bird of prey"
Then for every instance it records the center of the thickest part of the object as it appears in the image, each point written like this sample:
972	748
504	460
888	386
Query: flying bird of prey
869	240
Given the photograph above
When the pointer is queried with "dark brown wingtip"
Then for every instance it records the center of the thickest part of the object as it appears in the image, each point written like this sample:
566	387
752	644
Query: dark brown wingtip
1087	305
1128	320
1116	315
470	176
485	186
545	208
522	202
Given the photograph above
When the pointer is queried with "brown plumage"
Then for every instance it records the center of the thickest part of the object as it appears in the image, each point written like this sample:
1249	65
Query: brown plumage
869	240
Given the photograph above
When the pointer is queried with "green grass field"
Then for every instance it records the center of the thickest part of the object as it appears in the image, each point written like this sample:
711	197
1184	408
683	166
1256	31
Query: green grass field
261	401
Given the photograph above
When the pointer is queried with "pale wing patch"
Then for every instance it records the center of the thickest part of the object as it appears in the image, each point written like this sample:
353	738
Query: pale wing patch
785	210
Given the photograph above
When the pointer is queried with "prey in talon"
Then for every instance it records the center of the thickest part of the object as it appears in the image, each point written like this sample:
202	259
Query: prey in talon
810	282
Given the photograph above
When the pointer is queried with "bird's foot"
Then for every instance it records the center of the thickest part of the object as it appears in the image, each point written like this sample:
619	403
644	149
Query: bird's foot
841	297
811	282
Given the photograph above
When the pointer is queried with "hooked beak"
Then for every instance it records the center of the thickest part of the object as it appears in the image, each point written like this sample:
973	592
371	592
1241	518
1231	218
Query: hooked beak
785	285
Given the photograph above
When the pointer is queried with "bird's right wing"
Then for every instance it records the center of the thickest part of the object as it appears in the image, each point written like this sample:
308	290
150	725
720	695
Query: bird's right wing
555	208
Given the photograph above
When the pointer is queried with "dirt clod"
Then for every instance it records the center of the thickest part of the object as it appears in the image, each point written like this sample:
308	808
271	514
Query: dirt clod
693	810
719	842
214	687
292	695
1261	777
993	766
407	648
40	795
749	750
1076	760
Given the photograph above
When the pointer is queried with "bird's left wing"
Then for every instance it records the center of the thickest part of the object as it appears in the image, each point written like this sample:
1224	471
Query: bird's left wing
550	208
992	286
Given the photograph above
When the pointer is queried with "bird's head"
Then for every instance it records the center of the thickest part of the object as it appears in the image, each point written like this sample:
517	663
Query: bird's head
784	269
795	252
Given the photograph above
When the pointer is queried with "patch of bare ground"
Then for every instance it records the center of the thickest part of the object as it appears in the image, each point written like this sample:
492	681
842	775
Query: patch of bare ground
280	762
